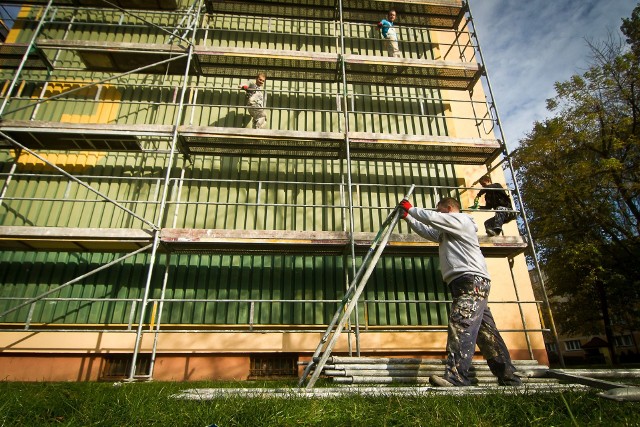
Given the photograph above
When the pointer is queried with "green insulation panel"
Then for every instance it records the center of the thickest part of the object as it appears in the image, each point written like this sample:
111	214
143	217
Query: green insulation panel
226	29
218	102
216	290
38	195
214	193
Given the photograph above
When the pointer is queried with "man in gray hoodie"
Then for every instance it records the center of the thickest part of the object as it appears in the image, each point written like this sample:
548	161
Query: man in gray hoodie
465	271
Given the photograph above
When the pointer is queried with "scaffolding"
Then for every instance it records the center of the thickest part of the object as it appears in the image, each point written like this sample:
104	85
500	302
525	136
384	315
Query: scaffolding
155	86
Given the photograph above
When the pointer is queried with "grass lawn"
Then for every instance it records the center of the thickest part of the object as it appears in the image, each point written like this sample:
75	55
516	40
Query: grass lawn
151	404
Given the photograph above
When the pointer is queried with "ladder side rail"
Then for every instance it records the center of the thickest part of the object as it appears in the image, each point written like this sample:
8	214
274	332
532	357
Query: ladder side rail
347	312
361	280
345	299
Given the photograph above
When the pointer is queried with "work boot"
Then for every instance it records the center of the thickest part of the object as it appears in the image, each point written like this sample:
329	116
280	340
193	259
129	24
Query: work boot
437	381
491	232
512	381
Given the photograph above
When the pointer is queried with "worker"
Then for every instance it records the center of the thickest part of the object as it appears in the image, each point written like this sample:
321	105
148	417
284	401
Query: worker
495	198
465	271
389	34
256	100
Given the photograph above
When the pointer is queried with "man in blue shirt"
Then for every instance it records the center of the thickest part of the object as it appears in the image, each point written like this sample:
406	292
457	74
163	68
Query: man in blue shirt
389	34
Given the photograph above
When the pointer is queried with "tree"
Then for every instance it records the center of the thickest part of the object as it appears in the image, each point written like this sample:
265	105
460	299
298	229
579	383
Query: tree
579	175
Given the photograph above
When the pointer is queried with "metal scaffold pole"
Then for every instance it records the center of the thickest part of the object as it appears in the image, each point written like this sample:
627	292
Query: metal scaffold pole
345	108
163	200
523	215
30	46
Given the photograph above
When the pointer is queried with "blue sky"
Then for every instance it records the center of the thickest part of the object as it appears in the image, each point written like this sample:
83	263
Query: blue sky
528	45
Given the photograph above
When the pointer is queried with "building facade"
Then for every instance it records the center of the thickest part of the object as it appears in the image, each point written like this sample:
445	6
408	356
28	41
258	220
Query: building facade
148	230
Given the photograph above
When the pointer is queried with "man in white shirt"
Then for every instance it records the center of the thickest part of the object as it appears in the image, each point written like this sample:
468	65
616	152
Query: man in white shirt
465	271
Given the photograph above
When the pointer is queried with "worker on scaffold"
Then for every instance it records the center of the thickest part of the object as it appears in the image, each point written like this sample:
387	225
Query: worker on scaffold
256	100
497	199
465	271
389	34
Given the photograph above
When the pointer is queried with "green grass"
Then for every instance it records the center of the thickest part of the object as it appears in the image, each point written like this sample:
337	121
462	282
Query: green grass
150	404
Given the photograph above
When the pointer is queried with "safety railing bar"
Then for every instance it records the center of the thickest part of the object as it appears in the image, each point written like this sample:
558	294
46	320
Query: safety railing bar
263	182
52	199
441	116
85	177
258	300
225	328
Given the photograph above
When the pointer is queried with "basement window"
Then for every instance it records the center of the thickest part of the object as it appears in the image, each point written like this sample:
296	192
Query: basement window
623	341
573	345
273	366
551	347
117	366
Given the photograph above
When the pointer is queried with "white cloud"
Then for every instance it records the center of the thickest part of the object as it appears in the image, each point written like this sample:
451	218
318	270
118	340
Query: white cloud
530	45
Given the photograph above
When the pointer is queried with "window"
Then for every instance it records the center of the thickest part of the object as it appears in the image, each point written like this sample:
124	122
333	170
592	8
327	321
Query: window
117	366
551	347
623	341
572	345
273	366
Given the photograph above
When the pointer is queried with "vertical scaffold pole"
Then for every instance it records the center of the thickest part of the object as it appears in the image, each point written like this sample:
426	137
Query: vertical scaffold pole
163	200
525	222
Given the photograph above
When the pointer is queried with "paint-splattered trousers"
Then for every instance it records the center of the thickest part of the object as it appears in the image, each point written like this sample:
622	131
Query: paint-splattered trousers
256	110
471	322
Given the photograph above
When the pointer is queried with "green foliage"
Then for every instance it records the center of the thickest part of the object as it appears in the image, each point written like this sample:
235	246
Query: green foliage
152	404
579	174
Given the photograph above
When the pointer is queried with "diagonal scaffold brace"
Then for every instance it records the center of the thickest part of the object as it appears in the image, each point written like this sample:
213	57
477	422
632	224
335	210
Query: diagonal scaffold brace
351	296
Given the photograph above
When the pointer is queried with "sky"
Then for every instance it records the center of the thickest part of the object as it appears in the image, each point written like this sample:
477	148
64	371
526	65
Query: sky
528	45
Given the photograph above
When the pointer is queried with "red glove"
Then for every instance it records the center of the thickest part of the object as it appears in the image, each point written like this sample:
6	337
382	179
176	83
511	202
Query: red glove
379	24
404	207
245	87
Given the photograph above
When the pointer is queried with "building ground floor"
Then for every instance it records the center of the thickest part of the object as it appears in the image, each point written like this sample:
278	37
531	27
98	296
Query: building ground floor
184	356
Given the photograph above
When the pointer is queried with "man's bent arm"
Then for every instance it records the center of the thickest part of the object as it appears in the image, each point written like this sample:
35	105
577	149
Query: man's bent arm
442	222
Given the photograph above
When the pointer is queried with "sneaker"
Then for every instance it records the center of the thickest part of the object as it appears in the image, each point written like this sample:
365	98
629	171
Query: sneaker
490	233
439	381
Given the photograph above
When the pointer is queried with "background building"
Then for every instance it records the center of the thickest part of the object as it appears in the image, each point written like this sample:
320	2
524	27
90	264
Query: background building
145	223
581	349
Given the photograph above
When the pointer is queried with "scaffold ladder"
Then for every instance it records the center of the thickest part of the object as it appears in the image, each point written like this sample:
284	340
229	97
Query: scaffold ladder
351	296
